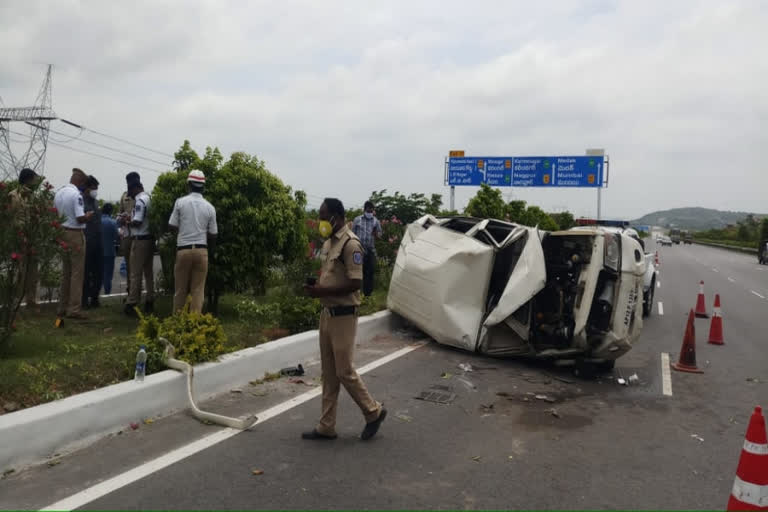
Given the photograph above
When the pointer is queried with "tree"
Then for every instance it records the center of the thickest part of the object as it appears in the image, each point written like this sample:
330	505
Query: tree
261	220
404	208
764	229
487	203
516	210
564	220
535	216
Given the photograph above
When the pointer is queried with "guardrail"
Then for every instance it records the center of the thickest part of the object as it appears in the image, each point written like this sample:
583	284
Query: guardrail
748	250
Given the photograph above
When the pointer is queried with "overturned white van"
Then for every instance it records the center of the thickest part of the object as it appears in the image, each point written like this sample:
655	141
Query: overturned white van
504	289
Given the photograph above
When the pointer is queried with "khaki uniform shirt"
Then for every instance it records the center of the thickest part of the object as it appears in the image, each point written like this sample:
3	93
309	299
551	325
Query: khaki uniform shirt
126	207
342	259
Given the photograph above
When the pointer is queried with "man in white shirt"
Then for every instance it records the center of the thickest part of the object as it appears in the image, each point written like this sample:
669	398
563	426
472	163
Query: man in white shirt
69	203
195	220
142	251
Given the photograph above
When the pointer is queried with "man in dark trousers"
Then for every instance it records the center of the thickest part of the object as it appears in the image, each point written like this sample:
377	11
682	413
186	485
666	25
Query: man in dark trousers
339	292
368	228
109	239
94	251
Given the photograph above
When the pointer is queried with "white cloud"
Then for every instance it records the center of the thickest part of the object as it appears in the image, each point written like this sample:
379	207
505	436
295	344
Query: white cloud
342	98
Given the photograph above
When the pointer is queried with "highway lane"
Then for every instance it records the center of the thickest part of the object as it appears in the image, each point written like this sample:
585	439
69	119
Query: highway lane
596	445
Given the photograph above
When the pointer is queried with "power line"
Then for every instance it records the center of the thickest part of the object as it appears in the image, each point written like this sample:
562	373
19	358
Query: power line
115	138
132	164
107	147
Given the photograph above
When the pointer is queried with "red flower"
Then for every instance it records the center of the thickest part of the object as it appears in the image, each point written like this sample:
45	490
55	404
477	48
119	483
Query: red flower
63	245
15	256
55	223
2	185
48	186
53	210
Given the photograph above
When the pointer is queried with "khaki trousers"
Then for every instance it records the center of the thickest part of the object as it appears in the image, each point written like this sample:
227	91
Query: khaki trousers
73	269
142	259
337	345
189	276
125	248
28	278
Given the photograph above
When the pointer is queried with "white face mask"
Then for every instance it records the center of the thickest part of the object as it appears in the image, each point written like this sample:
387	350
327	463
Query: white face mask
368	215
94	194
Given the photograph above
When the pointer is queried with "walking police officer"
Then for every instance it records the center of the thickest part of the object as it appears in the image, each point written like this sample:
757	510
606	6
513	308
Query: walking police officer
339	292
195	220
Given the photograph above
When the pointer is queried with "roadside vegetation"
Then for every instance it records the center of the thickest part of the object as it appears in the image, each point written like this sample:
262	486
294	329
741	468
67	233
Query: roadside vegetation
747	233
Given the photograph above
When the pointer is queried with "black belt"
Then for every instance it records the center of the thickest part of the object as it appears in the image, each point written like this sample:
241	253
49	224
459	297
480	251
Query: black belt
193	246
342	310
143	237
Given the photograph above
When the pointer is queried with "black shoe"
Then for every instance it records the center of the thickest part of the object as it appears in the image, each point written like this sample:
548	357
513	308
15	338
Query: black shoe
314	435
130	311
149	307
95	303
372	427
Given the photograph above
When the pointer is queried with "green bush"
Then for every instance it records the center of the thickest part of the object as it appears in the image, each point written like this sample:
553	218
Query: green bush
196	337
296	313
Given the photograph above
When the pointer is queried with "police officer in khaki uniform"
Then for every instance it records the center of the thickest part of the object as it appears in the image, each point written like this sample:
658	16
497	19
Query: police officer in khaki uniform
69	203
194	219
28	181
339	292
142	251
124	220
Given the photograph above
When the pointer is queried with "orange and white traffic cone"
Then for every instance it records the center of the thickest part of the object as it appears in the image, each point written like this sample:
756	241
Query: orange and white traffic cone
656	259
750	487
716	327
687	360
701	308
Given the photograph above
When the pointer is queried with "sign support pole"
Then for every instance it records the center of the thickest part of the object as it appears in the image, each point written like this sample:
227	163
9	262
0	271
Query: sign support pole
453	198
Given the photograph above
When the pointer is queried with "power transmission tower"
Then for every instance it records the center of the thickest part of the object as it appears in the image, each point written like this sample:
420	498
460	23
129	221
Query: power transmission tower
39	118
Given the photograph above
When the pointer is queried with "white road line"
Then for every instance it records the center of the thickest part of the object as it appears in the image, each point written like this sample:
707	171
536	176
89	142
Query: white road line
108	486
755	293
666	375
731	279
715	270
658	284
661	309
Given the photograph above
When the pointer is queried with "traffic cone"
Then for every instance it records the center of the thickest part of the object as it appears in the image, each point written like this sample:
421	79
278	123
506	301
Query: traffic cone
750	487
716	327
701	308
687	361
656	259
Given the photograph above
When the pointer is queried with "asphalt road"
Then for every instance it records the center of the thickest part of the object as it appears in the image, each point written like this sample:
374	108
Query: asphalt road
593	444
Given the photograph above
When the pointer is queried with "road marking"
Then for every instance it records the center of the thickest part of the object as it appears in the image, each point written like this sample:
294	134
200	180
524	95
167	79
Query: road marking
715	270
731	279
117	482
661	309
755	293
658	284
666	375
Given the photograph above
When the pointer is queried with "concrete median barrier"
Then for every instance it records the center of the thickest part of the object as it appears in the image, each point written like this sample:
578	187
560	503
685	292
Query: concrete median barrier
748	250
31	435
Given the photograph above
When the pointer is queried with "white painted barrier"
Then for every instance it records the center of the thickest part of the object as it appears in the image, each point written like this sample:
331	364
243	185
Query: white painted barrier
30	435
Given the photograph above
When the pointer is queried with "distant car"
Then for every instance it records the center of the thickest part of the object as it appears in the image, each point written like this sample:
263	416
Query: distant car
665	240
762	252
503	289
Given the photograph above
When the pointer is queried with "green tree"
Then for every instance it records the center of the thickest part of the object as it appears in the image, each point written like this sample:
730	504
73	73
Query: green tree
261	220
564	220
516	210
487	203
535	216
404	208
764	229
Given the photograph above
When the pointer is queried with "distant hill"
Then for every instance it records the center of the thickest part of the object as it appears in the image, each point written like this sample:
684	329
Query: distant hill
695	219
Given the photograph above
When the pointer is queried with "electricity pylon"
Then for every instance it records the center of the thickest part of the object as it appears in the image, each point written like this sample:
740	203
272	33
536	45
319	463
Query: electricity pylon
39	118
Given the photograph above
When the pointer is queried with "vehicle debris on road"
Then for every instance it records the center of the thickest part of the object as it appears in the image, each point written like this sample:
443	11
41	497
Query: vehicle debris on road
134	426
553	412
257	472
465	367
545	398
403	417
293	371
697	437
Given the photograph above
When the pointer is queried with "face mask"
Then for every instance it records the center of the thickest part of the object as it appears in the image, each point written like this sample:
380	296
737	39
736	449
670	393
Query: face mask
325	228
94	193
368	215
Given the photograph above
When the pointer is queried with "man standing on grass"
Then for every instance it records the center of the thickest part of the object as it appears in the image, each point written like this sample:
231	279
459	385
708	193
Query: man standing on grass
368	228
142	251
94	252
109	237
339	292
195	220
69	203
124	221
28	278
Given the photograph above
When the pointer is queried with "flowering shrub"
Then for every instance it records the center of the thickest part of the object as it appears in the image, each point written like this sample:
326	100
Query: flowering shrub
393	230
30	235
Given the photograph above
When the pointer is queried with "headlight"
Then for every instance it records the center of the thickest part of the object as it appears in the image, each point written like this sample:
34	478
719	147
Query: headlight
612	252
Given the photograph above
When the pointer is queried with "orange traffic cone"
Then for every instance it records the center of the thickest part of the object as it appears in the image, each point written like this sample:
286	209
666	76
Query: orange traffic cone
656	259
701	308
687	361
716	327
750	487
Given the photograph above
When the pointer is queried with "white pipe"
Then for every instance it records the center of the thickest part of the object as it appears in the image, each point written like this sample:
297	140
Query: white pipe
185	368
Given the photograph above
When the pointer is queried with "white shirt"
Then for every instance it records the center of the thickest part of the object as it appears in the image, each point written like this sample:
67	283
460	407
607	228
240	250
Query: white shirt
69	202
195	217
141	214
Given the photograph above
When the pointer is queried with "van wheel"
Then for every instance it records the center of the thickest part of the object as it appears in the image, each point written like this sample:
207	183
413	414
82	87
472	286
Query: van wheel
648	300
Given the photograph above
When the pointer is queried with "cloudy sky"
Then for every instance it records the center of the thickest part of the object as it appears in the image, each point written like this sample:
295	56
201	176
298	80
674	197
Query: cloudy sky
342	98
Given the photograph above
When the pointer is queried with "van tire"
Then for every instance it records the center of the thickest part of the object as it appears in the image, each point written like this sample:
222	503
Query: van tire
648	299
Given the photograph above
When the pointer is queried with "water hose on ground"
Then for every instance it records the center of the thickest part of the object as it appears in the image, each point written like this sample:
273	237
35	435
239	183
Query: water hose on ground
186	368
